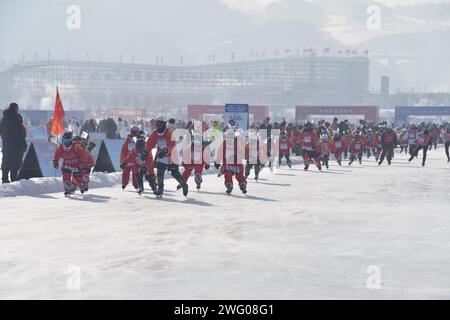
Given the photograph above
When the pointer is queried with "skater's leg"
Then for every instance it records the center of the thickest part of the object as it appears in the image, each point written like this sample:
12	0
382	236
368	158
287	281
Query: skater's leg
186	173
67	180
383	155
248	167
257	170
415	152
126	176
447	146
175	172
198	175
239	175
160	170
134	174
140	181
228	175
424	156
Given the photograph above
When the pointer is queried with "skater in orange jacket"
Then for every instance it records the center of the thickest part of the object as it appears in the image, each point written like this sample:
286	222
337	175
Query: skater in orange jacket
71	155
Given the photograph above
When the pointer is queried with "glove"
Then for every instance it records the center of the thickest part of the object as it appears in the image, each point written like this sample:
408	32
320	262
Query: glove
207	166
123	165
163	152
91	146
87	170
216	165
55	164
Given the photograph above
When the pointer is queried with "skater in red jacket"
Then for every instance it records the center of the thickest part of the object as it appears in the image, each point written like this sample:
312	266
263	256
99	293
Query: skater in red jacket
87	160
166	156
309	142
357	149
324	149
71	155
231	155
255	151
337	147
404	141
127	161
388	143
193	160
285	147
423	142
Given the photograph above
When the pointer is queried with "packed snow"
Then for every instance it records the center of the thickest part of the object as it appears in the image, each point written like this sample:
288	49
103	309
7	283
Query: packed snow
297	235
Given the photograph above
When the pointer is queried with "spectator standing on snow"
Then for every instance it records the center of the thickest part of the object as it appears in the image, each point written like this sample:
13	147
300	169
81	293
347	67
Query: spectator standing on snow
13	136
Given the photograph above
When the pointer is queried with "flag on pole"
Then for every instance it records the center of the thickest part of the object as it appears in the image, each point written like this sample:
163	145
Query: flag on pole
58	115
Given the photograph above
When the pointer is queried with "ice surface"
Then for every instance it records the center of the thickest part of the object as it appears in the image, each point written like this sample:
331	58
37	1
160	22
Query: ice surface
297	235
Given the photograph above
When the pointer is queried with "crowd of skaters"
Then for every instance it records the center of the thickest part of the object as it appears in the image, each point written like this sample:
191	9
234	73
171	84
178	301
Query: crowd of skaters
148	148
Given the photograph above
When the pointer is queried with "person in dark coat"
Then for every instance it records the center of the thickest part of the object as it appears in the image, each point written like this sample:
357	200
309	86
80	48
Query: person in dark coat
13	136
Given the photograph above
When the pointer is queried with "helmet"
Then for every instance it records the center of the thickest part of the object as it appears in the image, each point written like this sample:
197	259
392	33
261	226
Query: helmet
160	123
134	130
308	126
67	138
232	124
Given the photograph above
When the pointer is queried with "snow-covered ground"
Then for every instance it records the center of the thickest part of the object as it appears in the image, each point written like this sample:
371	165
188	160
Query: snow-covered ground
297	235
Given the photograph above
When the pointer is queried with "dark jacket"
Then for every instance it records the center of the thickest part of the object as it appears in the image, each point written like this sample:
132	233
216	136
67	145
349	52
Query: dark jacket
13	136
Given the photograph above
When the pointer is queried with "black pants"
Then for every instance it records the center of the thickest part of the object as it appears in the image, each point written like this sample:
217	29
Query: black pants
388	152
412	147
174	171
284	155
257	168
9	171
416	152
447	146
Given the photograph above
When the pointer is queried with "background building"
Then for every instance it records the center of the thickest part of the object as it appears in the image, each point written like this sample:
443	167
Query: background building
96	86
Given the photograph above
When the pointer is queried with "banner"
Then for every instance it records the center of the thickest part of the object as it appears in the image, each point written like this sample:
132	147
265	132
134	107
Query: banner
38	160
402	113
238	113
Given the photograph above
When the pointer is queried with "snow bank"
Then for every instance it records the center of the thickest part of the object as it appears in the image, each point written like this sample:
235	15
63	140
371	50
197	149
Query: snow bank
38	186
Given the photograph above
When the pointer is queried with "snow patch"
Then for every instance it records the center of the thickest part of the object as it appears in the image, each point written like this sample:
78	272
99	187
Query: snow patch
38	186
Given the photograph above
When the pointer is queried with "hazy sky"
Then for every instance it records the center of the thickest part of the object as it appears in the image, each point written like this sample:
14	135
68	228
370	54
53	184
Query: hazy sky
259	4
213	31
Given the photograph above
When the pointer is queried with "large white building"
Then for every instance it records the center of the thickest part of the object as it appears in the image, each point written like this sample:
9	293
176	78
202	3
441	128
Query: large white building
97	85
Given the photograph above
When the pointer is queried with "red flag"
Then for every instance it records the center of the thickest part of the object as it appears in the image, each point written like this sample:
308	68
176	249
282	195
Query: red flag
58	115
